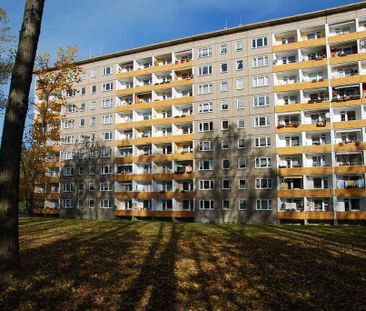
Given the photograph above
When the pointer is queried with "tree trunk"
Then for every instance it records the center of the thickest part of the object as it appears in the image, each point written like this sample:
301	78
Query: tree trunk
11	144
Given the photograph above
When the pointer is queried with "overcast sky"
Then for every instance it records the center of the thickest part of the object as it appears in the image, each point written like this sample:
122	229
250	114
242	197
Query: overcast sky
105	26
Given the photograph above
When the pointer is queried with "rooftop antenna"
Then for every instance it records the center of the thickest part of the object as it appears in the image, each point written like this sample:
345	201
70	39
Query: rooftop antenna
90	53
225	23
241	20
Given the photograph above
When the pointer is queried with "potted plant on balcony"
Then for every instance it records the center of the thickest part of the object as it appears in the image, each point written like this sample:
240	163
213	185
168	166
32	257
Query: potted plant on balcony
357	143
295	124
280	125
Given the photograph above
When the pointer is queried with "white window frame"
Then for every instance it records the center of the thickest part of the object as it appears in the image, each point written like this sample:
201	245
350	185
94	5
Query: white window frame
206	184
239	64
204	52
205	107
205	70
107	86
257	141
224	86
239	46
260	81
259	205
260	101
258	121
202	204
107	119
259	42
223	48
245	163
223	207
240	186
263	183
260	61
202	125
258	162
203	144
104	205
105	186
222	184
202	166
205	89
240	204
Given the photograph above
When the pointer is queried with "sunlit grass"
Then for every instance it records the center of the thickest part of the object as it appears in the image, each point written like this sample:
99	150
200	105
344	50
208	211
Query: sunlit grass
72	264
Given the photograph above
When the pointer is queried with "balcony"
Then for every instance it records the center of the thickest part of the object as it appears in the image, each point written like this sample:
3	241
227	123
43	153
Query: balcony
155	195
157	214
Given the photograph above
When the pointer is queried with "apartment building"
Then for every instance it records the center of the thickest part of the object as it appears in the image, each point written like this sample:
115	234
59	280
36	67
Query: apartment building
259	123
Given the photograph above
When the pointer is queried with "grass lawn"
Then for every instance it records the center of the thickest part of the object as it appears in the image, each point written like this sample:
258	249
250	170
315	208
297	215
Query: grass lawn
80	265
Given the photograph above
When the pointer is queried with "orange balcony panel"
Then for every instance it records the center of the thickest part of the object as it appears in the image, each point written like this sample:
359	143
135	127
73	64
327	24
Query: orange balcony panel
151	140
317	149
357	169
45	211
156	104
147	88
285	47
355	102
351	215
291	215
54	180
145	71
154	195
153	176
350	192
347	37
312	42
303	128
350	146
319	215
347	80
299	86
305	171
154	122
54	164
290	150
147	213
349	124
153	158
300	65
347	58
300	107
288	193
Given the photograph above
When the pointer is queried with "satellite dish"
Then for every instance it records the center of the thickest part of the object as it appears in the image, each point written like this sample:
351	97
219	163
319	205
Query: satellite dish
274	61
327	115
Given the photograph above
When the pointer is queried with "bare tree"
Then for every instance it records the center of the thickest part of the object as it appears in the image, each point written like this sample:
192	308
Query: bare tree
11	144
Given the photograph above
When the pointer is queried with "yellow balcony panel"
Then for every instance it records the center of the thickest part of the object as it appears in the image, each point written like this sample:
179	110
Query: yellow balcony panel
154	195
153	158
319	215
347	80
156	104
45	211
301	107
357	169
349	124
300	85
312	42
317	149
334	60
354	102
152	140
351	215
347	37
152	176
154	122
304	171
147	213
148	88
350	192
352	146
300	65
303	128
289	193
291	215
145	71
290	150
285	47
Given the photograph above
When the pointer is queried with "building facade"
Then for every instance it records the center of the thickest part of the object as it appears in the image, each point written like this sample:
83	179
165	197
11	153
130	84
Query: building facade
259	123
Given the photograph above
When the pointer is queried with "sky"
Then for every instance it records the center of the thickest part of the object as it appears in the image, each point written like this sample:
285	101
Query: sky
105	26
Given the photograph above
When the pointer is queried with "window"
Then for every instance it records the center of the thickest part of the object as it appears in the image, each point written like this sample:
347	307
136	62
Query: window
240	103
205	89
205	126
242	164
68	155
70	108
313	35
264	141
91	187
105	203
206	204
68	171
107	102
242	184
106	169
261	121
241	143
107	71
106	152
108	86
239	64
68	123
263	162
205	145
225	144
93	73
264	205
224	105
224	125
83	75
239	84
70	93
224	68
242	204
67	203
223	48
204	52
82	122
206	184
240	123
107	119
94	89
260	81
260	61
226	184
93	121
225	164
93	105
205	107
287	40
82	90
225	204
67	187
91	203
224	86
205	70
260	101
69	139
259	42
238	46
106	186
205	165
82	107
107	136
263	183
